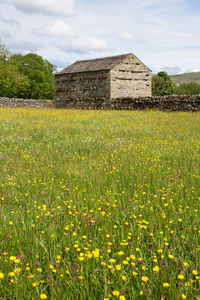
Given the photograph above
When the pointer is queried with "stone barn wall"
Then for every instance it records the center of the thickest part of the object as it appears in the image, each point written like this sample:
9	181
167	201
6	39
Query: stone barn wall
83	85
130	77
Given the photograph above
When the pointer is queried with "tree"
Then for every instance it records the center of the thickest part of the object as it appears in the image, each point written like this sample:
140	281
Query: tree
39	73
12	82
162	84
190	88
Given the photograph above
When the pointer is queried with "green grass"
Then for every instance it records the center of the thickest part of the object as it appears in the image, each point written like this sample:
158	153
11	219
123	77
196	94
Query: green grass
99	204
186	77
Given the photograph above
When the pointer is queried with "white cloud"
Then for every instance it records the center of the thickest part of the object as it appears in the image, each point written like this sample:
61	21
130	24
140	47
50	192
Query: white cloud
125	36
58	29
162	34
53	7
172	70
84	45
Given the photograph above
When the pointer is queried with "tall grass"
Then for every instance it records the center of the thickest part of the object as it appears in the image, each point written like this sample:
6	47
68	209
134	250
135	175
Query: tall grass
99	204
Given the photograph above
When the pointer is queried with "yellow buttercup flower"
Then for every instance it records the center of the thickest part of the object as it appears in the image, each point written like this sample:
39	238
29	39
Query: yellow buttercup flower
145	278
156	269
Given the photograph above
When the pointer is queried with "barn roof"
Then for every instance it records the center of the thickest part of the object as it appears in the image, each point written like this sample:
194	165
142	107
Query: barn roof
104	63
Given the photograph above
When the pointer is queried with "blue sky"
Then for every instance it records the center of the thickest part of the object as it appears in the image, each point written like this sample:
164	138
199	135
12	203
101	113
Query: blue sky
165	35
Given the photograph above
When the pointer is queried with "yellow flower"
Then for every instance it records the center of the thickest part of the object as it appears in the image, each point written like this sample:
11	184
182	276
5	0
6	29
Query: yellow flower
133	257
39	270
156	269
183	296
34	284
145	278
11	274
118	267
13	258
43	296
81	258
1	275
181	277
134	273
96	253
115	293
194	272
165	284
120	253
185	264
123	277
122	297
17	261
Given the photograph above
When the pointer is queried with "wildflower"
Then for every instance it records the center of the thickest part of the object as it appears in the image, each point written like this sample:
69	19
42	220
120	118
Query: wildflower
115	293
122	297
13	258
34	284
17	261
11	274
133	257
181	277
118	267
81	258
123	277
134	273
43	296
1	275
145	278
39	270
156	269
165	284
183	296
185	264
194	272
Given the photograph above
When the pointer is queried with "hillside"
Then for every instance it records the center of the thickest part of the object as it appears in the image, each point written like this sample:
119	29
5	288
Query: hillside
186	77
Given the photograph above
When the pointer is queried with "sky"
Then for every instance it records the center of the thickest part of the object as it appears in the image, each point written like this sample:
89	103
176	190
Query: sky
165	35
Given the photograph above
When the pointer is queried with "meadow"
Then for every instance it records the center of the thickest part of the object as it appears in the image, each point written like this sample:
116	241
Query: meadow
99	204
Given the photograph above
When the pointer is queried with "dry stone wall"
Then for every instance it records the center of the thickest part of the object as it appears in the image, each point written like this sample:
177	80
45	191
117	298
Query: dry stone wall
32	103
164	103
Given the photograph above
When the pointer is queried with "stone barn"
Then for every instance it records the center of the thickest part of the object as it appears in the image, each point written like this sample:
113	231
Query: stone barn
103	79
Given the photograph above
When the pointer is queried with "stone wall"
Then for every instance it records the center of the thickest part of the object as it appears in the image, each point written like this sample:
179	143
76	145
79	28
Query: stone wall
83	85
164	103
32	103
130	78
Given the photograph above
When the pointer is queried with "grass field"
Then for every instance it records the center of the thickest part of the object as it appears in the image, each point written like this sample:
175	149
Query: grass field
99	205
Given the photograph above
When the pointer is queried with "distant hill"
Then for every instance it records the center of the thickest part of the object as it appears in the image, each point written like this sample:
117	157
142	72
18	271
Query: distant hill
186	77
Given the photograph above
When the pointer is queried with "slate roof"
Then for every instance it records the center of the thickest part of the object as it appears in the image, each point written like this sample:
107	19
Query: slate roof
104	63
